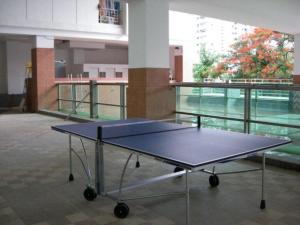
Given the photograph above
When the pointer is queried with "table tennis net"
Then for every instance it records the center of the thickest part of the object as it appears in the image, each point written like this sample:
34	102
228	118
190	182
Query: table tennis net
134	129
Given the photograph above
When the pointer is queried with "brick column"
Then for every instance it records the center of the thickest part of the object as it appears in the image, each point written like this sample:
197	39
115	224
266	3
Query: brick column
296	78
178	68
43	92
149	94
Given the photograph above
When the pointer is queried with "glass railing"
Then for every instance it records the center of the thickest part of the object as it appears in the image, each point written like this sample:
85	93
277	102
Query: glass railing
105	101
259	109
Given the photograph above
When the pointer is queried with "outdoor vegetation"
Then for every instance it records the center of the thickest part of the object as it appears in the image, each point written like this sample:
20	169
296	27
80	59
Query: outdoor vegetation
262	54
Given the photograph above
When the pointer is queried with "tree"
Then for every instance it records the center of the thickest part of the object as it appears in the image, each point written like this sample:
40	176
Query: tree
261	54
205	68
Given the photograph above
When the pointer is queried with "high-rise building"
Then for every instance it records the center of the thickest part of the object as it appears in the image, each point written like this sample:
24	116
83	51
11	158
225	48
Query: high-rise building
217	35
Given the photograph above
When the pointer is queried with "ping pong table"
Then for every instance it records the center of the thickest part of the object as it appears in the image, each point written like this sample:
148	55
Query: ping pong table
189	149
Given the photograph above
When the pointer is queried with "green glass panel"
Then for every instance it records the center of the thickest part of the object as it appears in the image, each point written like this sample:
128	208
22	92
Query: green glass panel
276	106
211	101
109	94
292	133
65	91
109	112
83	110
82	92
65	106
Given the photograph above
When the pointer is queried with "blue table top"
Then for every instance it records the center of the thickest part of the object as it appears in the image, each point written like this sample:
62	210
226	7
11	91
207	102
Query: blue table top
181	145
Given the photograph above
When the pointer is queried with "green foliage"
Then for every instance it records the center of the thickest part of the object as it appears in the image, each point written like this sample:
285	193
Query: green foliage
205	68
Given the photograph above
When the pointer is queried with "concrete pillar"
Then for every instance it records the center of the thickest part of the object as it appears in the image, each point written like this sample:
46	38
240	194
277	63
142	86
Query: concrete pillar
295	95
296	73
43	93
149	94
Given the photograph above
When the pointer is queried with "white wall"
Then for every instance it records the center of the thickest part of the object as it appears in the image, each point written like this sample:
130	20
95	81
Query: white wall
18	54
3	80
109	69
73	57
148	34
107	56
63	18
183	30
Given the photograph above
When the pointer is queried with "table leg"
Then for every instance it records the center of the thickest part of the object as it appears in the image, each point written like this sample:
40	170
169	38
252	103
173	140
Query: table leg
99	168
71	176
263	202
187	191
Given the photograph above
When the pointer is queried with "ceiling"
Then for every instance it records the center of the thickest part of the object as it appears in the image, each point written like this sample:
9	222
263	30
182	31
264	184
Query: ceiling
280	15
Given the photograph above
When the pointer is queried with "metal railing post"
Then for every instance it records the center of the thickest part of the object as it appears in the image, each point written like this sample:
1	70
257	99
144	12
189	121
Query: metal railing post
122	101
225	106
178	107
58	98
247	103
93	99
73	90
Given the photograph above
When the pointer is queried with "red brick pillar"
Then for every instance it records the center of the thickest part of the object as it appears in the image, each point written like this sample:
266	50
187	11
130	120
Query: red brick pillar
43	91
149	94
178	68
296	79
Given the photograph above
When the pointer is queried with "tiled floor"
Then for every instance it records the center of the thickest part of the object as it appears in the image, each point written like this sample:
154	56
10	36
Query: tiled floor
34	187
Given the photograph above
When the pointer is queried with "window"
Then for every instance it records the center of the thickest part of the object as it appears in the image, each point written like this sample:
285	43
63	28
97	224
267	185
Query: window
86	74
119	74
102	74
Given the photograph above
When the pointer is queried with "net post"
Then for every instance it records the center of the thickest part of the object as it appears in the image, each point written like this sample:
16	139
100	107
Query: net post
99	167
99	133
198	121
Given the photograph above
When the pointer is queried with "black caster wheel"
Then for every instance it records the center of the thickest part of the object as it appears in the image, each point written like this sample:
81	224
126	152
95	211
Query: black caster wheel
71	177
178	169
137	164
121	210
214	180
89	194
262	204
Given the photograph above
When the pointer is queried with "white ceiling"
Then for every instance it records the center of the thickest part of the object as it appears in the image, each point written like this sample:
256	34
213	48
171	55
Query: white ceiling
280	15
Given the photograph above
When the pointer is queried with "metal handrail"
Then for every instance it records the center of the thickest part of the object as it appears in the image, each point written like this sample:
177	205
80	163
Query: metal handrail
250	80
290	87
238	119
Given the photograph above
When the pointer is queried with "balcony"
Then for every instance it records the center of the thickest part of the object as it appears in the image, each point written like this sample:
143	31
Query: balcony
110	16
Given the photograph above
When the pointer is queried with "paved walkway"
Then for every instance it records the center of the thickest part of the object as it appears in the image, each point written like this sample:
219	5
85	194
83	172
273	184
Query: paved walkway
34	187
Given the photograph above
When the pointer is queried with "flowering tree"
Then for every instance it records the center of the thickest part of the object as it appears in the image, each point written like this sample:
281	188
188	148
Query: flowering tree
261	54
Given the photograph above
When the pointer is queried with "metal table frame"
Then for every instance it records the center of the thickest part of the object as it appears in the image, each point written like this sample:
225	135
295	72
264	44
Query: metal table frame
117	194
